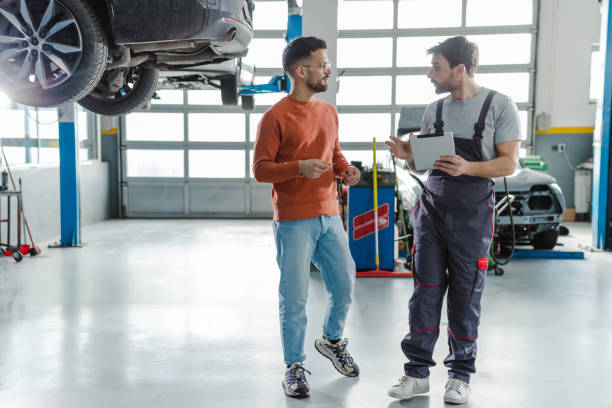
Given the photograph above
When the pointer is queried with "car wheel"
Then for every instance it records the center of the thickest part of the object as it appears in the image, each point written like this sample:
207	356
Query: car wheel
229	91
545	239
51	51
122	91
248	102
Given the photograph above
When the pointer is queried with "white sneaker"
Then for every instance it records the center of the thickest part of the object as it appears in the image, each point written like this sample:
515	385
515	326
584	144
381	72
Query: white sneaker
457	392
408	387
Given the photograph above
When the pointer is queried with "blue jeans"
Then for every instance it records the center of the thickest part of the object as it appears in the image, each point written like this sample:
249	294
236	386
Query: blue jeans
323	241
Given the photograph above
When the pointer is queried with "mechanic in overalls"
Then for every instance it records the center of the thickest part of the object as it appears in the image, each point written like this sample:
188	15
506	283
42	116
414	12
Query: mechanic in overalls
453	219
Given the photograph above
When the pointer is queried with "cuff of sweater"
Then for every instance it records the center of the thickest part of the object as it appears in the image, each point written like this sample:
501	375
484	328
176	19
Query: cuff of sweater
294	169
339	171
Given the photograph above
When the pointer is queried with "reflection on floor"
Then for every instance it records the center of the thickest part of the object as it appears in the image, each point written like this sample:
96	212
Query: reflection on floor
183	313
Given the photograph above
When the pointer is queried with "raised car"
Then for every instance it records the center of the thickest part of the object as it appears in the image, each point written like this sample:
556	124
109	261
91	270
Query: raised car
108	54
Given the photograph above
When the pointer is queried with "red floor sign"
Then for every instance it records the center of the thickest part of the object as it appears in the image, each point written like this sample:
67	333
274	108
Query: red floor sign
363	224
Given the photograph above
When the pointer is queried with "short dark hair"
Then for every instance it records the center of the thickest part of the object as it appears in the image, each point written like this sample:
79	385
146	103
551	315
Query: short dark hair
298	49
458	50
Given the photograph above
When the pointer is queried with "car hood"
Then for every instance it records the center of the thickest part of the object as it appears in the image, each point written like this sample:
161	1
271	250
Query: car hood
523	179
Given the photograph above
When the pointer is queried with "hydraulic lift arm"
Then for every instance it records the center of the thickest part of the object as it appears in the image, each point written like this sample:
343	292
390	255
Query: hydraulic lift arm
280	83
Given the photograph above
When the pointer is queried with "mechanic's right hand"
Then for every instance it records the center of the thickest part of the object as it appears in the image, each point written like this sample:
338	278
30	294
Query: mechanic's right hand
313	168
399	148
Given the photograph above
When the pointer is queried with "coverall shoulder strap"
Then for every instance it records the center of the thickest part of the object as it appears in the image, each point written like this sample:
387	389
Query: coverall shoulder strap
480	125
439	124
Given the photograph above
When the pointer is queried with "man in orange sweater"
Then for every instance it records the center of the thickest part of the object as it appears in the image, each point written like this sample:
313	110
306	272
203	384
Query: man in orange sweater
297	150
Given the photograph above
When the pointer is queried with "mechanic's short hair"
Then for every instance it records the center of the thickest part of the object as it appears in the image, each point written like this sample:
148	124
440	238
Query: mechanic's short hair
299	49
458	50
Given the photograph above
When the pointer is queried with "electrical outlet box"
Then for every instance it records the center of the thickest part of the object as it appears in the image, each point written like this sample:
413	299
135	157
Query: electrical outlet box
559	147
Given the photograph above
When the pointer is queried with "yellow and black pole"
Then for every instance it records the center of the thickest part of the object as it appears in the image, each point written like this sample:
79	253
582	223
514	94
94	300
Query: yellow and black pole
378	272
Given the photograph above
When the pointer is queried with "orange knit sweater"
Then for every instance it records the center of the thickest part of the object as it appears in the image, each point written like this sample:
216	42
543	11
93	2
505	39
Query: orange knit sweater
291	131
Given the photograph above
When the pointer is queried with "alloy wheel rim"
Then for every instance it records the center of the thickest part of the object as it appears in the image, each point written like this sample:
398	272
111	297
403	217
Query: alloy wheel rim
41	46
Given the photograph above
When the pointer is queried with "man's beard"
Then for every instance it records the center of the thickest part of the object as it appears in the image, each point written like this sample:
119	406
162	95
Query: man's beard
317	87
441	89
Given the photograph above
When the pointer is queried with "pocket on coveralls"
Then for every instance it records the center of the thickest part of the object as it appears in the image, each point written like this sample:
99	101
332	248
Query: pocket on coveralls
481	272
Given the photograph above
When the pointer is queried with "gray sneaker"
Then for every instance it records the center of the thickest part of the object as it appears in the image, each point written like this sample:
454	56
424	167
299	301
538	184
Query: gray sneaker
457	392
338	355
407	387
294	381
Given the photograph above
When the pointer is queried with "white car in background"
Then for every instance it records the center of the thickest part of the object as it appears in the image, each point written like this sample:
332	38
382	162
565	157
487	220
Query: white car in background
537	208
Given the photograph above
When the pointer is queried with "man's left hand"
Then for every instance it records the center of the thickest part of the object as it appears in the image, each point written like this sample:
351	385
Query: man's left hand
351	176
453	165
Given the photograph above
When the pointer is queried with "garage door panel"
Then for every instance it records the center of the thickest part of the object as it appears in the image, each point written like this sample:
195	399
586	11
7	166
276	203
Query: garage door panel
156	199
261	199
217	199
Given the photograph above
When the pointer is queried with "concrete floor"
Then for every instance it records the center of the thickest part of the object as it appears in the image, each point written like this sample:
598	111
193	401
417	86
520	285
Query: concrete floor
183	313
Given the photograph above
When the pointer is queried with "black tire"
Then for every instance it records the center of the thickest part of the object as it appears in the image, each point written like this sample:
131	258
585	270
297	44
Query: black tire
18	256
229	91
248	102
545	240
88	69
135	98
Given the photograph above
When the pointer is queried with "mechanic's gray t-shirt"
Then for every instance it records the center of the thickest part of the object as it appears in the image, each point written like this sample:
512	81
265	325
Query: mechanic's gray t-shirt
502	123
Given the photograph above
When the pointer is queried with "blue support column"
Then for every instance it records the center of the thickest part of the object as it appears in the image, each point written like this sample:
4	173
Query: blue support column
69	177
294	28
602	201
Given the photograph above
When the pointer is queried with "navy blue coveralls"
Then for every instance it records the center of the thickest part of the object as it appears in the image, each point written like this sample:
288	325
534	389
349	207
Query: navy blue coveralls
453	227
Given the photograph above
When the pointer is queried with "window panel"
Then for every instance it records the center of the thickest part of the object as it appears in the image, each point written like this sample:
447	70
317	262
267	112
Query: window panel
168	97
524	124
415	90
357	52
412	51
216	163
499	12
267	52
269	99
366	157
155	163
216	127
16	155
495	49
204	97
365	15
371	90
268	15
48	155
254	119
48	127
429	13
357	127
515	85
12	123
155	127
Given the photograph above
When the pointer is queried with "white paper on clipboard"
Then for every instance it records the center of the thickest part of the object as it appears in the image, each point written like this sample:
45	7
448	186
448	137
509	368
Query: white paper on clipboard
428	148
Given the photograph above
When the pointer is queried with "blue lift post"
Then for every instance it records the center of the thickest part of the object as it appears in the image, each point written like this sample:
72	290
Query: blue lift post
602	199
280	83
69	177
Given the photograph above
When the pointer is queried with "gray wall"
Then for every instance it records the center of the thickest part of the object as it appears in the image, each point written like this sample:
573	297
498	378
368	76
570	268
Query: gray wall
41	203
579	148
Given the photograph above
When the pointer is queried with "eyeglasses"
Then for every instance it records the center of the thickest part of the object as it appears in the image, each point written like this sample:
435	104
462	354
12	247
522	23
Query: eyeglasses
326	66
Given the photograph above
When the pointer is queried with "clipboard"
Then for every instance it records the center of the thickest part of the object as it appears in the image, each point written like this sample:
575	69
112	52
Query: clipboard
428	148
